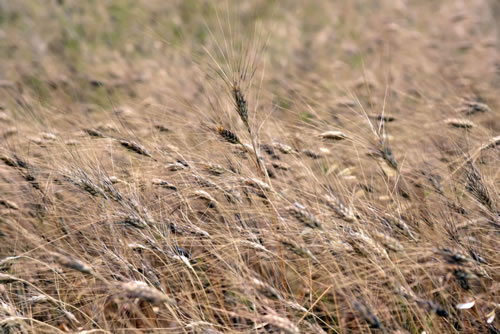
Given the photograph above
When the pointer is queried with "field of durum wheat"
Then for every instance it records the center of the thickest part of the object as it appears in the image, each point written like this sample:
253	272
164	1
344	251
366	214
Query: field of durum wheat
249	167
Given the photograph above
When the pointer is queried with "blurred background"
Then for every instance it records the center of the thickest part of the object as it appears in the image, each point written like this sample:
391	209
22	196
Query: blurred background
89	51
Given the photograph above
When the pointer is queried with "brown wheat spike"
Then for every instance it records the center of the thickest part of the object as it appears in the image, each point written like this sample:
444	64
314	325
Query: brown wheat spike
72	263
295	248
133	221
49	136
453	257
280	165
386	154
15	161
401	224
232	195
460	123
360	242
311	154
477	257
203	182
388	241
254	245
493	142
8	161
141	291
37	299
427	305
80	178
282	323
206	196
345	102
135	148
161	128
259	187
384	118
241	104
270	151
6	278
333	135
6	309
471	107
9	132
228	135
94	133
163	184
367	315
431	306
229	194
8	204
340	208
175	166
434	180
71	142
115	180
476	187
285	149
265	288
214	169
300	213
256	183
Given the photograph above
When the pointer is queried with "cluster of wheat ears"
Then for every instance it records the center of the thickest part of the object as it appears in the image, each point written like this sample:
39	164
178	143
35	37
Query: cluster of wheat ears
220	218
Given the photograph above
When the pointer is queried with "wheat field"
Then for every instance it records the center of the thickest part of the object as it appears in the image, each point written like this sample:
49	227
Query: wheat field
194	166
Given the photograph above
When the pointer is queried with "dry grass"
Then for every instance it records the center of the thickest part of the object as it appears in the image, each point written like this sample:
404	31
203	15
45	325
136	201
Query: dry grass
249	167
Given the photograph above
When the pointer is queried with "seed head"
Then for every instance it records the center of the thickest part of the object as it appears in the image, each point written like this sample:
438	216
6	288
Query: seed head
228	135
241	104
